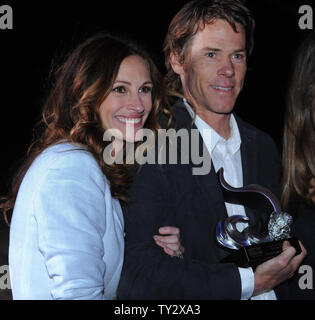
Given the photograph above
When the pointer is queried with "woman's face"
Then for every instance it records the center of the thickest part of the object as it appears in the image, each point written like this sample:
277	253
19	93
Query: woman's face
129	103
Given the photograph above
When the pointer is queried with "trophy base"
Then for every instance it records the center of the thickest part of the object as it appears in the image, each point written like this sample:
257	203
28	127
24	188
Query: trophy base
254	255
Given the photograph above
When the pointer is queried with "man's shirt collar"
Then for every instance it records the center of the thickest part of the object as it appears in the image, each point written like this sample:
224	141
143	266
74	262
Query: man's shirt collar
230	145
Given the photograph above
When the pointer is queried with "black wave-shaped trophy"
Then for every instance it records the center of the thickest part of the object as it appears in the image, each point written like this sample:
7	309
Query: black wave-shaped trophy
251	250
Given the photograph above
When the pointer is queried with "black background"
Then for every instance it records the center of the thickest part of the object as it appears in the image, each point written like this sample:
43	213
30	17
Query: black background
45	30
48	29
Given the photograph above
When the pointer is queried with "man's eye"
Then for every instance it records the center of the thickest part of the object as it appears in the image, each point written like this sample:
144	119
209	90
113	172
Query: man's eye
210	54
145	89
120	89
239	56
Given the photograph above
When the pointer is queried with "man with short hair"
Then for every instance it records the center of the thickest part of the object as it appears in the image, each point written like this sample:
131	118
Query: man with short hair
206	50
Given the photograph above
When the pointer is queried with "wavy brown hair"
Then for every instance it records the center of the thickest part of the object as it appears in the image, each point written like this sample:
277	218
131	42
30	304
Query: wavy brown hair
299	128
194	16
71	111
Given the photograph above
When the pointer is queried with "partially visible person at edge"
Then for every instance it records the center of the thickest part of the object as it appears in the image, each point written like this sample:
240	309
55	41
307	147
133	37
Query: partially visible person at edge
206	50
298	197
67	228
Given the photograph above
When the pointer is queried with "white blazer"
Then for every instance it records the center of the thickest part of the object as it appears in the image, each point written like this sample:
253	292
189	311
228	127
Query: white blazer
67	232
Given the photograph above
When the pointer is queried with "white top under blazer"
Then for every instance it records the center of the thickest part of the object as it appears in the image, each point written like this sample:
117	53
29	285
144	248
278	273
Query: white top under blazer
67	232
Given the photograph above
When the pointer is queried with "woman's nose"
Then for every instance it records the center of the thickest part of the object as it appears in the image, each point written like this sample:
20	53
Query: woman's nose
136	104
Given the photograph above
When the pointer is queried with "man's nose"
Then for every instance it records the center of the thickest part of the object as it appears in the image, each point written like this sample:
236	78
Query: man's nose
226	68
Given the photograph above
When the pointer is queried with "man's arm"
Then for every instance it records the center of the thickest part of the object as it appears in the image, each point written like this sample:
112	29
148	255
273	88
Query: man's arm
148	273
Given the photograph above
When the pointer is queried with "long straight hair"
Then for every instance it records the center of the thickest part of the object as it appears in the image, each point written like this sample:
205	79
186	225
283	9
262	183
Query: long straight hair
299	129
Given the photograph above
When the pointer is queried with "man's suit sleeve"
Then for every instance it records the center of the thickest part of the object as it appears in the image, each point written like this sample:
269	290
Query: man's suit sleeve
149	273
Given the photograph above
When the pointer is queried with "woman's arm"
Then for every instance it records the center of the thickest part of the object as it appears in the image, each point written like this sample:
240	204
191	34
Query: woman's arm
170	241
70	212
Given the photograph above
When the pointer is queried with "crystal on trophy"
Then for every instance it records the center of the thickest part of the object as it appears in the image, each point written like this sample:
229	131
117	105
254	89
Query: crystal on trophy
279	225
249	249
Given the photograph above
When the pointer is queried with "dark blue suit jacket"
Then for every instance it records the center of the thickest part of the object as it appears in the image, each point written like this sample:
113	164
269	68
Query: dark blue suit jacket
169	194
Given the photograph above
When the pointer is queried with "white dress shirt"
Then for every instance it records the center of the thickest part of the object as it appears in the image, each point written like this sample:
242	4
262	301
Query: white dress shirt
66	234
226	154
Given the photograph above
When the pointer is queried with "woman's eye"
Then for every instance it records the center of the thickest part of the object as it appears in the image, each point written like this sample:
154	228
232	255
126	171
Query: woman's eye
145	89
120	89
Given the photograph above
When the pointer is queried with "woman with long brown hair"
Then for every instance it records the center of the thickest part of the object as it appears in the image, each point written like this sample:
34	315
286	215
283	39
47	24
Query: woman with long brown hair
298	195
67	228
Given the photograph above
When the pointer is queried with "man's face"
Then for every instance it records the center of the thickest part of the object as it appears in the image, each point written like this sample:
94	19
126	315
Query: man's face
214	69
